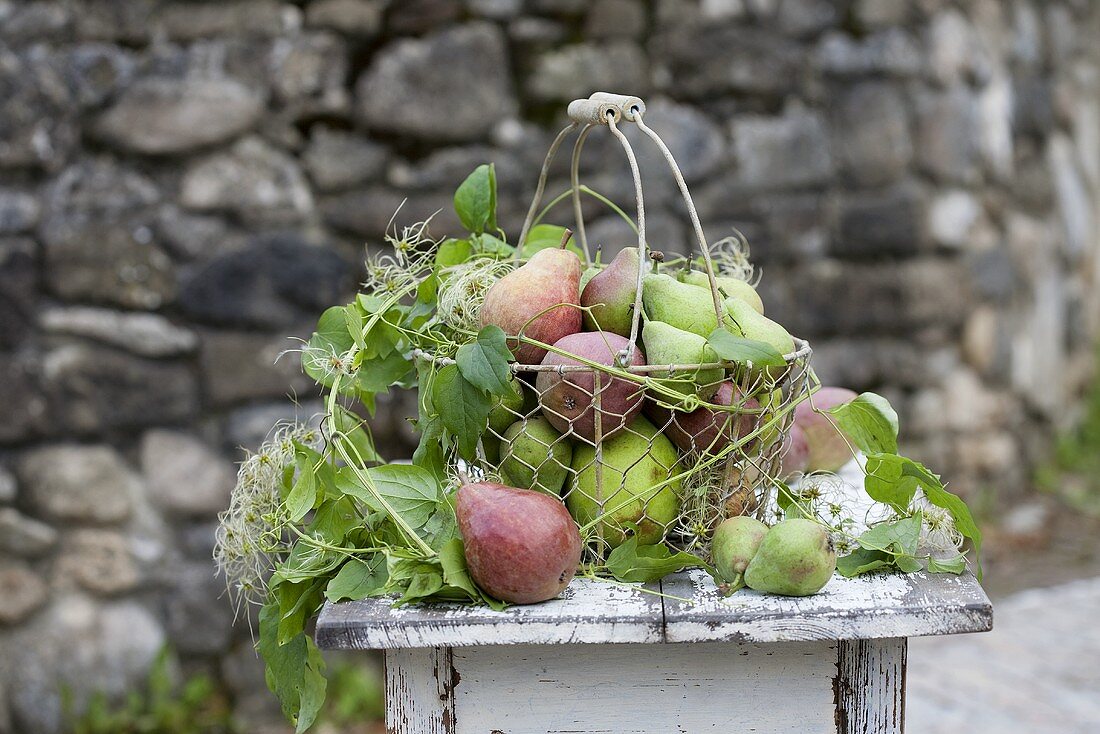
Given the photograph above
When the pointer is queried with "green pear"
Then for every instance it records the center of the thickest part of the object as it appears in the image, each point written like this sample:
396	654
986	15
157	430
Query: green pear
744	321
796	558
535	456
684	306
502	415
665	344
727	286
634	461
734	544
610	295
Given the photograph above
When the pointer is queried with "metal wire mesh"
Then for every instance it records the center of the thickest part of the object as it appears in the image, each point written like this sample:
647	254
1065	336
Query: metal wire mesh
661	452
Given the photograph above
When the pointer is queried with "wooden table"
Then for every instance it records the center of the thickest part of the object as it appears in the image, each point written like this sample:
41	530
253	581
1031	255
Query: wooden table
612	658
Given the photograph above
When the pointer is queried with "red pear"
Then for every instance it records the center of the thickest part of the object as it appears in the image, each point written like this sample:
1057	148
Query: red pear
539	299
704	430
521	546
566	398
610	294
796	452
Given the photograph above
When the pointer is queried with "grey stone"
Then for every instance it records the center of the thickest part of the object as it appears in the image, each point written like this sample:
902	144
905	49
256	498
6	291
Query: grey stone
806	17
446	166
1033	105
309	71
185	476
786	151
100	561
1078	216
274	282
239	366
694	139
108	263
413	17
871	134
23	593
891	51
995	127
199	620
956	219
167	116
144	334
496	9
451	85
993	275
21	394
28	22
886	224
190	236
246	428
707	58
664	232
84	647
107	20
337	160
9	488
615	19
875	14
254	180
367	212
18	211
95	71
186	21
92	389
24	536
78	483
530	35
359	18
947	134
951	46
574	71
19	276
37	125
96	189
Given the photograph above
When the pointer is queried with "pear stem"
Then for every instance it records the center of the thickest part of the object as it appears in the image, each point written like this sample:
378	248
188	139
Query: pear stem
565	237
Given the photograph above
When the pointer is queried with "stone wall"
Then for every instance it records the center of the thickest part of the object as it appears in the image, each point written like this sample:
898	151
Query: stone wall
185	184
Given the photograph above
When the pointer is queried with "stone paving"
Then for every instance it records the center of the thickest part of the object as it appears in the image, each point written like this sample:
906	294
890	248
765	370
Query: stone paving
1038	671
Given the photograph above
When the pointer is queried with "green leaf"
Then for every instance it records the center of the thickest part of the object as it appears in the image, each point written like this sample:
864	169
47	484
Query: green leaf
333	520
476	200
732	348
295	671
954	565
297	603
642	563
453	252
484	362
355	432
547	236
441	527
862	561
429	451
463	407
488	244
411	491
303	495
964	521
332	339
379	374
907	563
888	481
898	537
358	579
870	422
452	557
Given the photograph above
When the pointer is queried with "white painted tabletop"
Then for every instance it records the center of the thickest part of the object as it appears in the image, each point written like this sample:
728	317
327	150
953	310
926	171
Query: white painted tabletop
688	608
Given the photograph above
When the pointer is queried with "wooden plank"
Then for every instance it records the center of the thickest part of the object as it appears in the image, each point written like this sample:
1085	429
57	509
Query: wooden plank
587	612
868	607
870	686
646	689
420	691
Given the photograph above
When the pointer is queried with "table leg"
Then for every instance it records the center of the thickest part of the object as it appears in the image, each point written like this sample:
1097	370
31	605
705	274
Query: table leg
870	686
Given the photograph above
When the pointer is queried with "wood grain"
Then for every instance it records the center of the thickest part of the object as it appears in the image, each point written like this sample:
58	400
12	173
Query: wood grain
420	686
594	612
870	686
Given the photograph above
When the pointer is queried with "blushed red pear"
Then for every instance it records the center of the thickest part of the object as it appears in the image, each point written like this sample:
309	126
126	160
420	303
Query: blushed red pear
522	546
540	299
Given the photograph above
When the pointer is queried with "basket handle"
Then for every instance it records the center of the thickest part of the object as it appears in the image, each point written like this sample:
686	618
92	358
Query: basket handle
604	108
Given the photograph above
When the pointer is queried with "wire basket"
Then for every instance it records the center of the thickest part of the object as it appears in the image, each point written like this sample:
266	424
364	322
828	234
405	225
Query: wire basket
658	452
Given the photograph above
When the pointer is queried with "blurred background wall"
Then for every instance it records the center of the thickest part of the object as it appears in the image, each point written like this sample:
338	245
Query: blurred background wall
183	185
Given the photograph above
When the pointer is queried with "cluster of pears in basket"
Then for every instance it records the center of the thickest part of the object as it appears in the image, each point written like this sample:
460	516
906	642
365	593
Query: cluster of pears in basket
606	429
